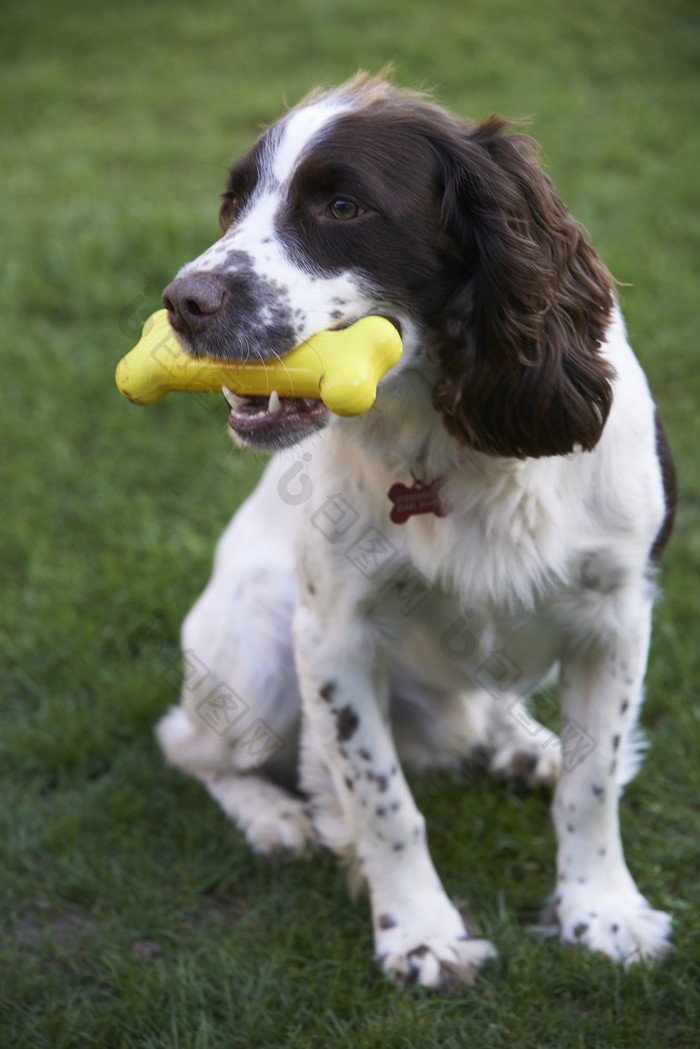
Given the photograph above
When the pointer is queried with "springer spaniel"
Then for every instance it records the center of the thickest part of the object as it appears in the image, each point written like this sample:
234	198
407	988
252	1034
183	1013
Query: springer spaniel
338	640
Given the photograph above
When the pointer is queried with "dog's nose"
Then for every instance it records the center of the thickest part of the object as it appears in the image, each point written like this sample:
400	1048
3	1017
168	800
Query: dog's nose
192	301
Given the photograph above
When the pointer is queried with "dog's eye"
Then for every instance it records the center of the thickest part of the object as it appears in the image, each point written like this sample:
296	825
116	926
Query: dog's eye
229	207
344	209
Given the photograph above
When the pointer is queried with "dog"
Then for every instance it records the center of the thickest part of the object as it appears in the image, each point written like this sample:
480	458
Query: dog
334	646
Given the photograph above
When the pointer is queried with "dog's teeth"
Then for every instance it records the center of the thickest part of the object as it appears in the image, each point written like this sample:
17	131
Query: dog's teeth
231	397
274	405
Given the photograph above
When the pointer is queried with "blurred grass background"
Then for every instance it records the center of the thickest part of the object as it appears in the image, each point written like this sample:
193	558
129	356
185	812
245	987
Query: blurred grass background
133	913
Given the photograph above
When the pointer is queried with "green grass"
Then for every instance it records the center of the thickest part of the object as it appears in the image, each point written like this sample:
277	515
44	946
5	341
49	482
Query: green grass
118	123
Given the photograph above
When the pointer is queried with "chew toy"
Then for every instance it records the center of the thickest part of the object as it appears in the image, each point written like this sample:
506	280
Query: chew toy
342	368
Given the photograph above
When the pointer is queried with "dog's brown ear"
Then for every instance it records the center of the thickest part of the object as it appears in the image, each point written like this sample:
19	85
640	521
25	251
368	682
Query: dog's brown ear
521	371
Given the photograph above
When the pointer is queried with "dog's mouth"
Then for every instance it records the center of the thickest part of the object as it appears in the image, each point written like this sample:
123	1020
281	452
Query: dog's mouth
274	420
271	421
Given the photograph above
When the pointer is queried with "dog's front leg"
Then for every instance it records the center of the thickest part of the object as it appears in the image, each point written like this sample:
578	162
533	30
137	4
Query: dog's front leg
597	902
419	934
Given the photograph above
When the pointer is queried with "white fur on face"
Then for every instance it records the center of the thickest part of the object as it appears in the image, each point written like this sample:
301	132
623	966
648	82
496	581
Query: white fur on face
298	131
253	244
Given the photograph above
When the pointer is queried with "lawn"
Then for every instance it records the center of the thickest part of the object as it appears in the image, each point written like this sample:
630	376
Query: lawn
133	914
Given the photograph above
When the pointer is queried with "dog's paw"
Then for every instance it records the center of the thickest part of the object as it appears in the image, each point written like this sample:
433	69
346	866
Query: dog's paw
521	748
622	926
286	829
431	954
273	821
438	963
528	762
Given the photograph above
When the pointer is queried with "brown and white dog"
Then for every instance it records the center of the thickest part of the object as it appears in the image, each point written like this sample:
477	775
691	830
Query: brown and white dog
523	425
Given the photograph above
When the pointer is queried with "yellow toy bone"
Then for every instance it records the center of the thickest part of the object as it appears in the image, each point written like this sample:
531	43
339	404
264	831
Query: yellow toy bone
342	368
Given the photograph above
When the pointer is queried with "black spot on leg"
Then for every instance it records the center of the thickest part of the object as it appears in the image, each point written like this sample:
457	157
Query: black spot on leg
346	723
580	929
311	588
599	793
624	706
365	754
382	783
571	829
399	847
328	691
602	852
615	742
614	928
613	768
380	811
349	784
385	921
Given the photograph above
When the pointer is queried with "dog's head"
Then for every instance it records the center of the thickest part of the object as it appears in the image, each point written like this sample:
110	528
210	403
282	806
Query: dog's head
368	200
